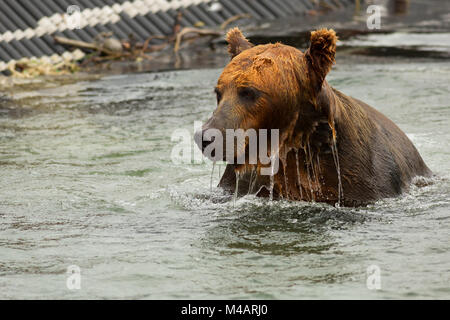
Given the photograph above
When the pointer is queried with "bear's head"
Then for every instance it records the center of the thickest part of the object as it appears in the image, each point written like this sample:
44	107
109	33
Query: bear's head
272	86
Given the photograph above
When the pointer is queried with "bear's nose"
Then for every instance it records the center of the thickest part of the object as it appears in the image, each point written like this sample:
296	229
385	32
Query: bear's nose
201	143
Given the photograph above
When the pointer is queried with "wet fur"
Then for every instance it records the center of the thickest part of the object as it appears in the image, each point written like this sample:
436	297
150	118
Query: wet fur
317	123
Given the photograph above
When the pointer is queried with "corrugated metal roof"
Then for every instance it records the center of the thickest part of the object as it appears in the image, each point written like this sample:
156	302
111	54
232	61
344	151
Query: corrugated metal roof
27	27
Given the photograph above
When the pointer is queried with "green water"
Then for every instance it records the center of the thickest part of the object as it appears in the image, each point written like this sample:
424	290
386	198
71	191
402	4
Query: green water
86	179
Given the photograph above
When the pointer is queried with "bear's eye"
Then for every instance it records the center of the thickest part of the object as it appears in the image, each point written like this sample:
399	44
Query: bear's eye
218	95
248	93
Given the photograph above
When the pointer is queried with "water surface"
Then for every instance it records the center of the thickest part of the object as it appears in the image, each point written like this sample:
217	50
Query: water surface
86	179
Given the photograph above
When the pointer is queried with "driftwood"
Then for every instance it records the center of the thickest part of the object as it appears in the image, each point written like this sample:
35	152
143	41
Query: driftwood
199	32
136	49
75	43
85	45
106	48
233	19
139	49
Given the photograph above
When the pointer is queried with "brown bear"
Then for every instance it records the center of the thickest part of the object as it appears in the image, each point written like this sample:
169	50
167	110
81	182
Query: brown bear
333	148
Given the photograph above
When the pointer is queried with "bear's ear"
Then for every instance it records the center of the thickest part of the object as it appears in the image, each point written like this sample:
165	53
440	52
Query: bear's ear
320	54
236	42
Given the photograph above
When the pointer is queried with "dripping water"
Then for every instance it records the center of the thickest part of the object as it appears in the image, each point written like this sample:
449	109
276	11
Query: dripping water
285	177
236	189
318	174
334	151
308	175
318	162
211	179
309	183
299	180
315	175
271	187
272	174
253	176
